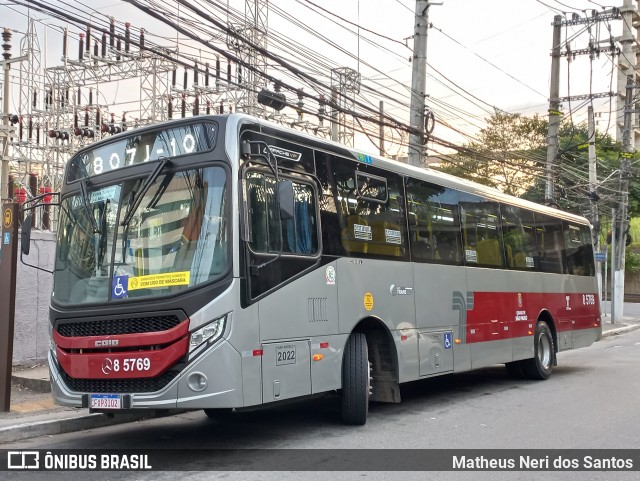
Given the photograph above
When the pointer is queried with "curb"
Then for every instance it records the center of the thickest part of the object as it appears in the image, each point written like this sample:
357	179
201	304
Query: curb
619	330
66	425
35	384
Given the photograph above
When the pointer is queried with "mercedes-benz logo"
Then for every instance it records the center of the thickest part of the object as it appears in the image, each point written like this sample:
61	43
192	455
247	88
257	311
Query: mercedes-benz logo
107	366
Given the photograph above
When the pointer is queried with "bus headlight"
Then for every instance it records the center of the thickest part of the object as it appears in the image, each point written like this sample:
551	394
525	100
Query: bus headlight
206	335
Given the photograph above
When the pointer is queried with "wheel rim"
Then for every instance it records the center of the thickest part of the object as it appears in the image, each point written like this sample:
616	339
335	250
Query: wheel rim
544	351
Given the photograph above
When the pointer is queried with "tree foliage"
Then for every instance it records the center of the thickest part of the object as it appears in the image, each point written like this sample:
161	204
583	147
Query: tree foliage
511	154
507	154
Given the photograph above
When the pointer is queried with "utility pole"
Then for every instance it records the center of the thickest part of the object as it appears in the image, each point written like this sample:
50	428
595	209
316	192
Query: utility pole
593	191
554	111
381	133
627	153
4	168
418	82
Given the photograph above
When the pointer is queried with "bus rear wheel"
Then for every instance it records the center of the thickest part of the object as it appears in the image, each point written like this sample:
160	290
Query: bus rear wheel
541	365
355	380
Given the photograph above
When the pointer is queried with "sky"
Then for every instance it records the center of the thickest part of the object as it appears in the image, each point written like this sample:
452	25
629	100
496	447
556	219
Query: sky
481	54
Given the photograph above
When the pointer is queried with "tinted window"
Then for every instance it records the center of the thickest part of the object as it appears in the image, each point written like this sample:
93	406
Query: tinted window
371	215
268	233
550	241
578	250
518	232
434	229
481	233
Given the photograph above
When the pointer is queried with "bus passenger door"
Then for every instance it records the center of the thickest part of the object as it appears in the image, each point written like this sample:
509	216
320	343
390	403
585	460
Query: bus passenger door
286	370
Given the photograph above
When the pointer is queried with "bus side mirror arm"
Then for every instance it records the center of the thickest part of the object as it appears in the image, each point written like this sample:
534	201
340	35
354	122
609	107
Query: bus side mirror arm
25	242
25	235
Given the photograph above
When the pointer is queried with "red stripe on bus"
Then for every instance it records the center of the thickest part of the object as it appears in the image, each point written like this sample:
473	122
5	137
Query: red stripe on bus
122	365
517	312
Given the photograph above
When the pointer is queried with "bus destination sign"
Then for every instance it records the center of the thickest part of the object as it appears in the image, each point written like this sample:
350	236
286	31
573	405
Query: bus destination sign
141	147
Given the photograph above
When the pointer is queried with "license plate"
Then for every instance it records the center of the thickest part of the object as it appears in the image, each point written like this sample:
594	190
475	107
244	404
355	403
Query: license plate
106	401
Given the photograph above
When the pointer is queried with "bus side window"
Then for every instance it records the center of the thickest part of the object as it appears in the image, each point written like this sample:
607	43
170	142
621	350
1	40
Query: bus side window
481	233
518	231
434	229
578	250
550	240
370	206
268	234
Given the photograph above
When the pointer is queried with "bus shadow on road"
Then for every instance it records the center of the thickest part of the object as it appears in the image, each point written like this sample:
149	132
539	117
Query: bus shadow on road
285	423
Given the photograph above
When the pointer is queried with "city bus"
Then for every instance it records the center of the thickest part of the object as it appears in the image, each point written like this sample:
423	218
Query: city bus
226	262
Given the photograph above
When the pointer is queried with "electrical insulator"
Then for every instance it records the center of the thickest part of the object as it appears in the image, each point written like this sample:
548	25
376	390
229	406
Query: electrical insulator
57	134
196	106
6	43
142	39
127	36
83	132
112	32
81	47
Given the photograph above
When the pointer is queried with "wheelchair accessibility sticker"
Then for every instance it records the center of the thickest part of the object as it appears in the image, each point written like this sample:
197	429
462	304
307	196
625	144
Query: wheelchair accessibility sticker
120	287
448	340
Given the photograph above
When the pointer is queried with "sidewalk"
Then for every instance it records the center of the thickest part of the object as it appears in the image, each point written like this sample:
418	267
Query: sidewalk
33	412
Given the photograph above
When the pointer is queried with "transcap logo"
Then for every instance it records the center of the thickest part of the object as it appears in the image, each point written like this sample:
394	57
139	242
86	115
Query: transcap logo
23	460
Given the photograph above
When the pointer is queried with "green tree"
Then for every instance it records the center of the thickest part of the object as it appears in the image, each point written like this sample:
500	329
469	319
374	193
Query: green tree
511	154
507	154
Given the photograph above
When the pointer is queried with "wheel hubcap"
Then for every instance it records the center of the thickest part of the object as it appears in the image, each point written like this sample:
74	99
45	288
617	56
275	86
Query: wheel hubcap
544	351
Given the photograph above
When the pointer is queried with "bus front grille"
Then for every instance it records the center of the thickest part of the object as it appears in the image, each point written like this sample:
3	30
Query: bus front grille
112	327
119	386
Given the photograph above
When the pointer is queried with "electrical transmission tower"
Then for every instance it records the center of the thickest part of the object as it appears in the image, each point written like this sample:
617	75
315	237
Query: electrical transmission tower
345	84
249	42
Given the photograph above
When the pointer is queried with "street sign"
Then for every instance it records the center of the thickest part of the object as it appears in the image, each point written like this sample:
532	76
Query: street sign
601	256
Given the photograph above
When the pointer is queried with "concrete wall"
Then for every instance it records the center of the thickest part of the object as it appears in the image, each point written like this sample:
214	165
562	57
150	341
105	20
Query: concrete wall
33	293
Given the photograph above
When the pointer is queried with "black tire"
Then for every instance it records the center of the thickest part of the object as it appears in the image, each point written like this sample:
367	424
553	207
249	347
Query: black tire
355	380
540	367
515	369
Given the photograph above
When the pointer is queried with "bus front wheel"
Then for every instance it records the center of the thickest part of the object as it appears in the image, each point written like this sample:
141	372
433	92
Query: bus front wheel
355	380
540	366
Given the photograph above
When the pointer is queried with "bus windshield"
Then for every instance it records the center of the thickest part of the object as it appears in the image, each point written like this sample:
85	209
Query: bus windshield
173	240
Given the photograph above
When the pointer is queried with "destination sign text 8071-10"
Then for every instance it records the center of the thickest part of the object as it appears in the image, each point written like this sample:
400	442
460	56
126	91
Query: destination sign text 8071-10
141	147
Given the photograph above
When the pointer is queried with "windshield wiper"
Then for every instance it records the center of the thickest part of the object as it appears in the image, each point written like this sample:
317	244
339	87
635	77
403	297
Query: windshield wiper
151	178
87	204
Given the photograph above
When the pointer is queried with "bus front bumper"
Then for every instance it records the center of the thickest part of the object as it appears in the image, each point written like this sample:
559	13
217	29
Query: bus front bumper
213	380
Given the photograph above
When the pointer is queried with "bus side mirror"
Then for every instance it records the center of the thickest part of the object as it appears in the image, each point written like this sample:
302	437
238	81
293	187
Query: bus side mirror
25	235
285	199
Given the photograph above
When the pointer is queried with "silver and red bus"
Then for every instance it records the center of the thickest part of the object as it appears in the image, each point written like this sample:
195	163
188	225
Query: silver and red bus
225	262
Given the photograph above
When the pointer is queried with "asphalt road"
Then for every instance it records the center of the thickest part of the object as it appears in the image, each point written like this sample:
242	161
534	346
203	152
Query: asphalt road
591	401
